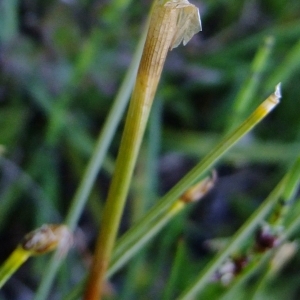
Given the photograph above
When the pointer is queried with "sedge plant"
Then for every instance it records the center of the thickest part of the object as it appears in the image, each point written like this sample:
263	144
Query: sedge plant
171	23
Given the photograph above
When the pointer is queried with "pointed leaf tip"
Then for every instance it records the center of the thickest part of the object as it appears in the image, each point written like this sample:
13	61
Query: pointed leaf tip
278	90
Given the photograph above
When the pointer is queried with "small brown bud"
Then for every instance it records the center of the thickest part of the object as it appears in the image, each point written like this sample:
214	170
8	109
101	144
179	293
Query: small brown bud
200	189
266	238
47	238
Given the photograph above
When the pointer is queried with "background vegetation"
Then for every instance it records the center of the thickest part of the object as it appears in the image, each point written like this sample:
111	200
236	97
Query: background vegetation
61	63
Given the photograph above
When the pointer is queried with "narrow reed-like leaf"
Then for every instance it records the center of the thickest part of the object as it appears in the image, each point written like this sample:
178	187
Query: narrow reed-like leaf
175	272
11	265
247	92
287	67
237	240
286	201
258	290
242	234
258	151
137	232
263	259
163	28
208	161
292	184
94	165
120	261
195	193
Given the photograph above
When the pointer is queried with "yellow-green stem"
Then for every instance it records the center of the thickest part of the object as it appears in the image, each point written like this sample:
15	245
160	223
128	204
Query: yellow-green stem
42	240
159	38
11	265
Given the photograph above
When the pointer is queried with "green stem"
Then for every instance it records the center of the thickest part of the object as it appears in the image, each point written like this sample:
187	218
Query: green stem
94	165
258	260
290	178
127	245
161	31
208	161
247	91
104	141
284	205
11	265
175	272
237	239
254	267
118	262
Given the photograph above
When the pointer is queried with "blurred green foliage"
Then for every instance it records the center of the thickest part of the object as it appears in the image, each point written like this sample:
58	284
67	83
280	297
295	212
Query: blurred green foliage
61	63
